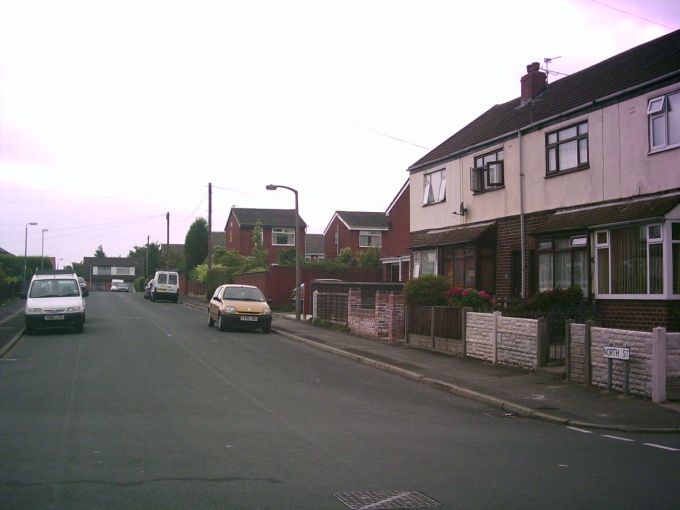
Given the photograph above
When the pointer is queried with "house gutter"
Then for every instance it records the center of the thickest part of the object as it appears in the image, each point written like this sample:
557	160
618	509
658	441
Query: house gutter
547	120
521	214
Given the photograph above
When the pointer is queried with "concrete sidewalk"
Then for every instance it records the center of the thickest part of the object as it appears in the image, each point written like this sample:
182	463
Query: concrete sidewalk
11	323
541	395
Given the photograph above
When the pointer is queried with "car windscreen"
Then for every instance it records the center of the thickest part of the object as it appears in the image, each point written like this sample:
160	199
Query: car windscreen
243	294
54	288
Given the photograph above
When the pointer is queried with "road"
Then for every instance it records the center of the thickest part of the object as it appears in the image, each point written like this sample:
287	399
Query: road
149	408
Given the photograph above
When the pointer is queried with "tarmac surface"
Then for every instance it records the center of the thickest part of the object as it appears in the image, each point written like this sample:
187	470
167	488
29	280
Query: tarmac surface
543	395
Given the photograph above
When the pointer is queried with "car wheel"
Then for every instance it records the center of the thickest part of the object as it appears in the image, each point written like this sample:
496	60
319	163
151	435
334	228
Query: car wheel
221	324
211	321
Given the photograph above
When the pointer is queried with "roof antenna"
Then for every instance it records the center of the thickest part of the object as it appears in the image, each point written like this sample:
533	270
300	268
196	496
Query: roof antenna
548	72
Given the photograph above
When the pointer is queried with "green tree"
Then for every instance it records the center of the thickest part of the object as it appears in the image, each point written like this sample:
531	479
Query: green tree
287	256
369	257
260	255
99	252
154	256
427	290
196	244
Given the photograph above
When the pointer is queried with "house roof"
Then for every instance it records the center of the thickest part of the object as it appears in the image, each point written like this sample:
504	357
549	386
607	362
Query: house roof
402	190
218	239
643	66
5	252
608	214
268	217
454	235
360	220
314	244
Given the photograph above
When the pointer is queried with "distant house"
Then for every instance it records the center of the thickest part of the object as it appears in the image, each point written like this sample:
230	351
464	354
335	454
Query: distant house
314	247
395	254
5	252
355	230
574	183
278	231
101	270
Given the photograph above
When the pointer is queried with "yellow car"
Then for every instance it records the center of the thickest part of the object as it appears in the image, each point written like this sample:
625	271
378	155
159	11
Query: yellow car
239	305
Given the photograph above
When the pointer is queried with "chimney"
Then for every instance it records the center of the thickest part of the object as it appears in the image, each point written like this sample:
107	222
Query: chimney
533	83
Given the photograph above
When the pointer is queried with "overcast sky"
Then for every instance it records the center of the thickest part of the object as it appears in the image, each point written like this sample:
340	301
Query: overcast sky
113	113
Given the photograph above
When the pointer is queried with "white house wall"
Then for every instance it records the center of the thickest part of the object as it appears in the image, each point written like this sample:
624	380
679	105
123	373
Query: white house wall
619	159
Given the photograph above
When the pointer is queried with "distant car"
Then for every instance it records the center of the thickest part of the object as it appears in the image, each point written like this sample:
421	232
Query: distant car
148	289
82	283
239	305
119	286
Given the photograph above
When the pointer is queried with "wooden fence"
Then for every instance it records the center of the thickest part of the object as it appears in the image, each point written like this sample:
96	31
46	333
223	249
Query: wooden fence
437	328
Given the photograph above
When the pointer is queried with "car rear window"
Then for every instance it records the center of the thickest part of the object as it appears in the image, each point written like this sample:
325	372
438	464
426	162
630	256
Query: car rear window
172	279
162	278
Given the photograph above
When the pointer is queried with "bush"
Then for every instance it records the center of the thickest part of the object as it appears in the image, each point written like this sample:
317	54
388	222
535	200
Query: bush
427	290
479	301
140	283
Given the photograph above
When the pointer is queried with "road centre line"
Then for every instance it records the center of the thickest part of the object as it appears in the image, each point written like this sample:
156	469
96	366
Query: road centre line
661	447
619	438
583	431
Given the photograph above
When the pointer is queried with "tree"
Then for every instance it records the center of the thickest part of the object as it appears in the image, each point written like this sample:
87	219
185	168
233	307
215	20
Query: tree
196	243
154	256
369	257
287	256
99	253
260	255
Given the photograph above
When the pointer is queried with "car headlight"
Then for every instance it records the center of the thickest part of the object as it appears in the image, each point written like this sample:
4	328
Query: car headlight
74	309
230	309
35	310
267	311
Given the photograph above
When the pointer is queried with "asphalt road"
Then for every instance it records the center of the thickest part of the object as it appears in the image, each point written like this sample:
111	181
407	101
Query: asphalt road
149	408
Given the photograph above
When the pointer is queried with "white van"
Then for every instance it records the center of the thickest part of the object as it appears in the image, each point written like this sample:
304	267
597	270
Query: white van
54	299
165	286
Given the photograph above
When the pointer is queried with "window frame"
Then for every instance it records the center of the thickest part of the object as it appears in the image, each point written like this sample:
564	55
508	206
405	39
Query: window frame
661	111
427	188
480	173
555	146
418	262
289	231
578	242
371	234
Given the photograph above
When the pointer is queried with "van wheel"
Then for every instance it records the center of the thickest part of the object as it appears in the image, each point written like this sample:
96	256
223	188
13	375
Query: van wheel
29	330
79	328
221	324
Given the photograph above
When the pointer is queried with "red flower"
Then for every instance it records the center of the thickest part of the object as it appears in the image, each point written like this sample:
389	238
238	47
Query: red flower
465	293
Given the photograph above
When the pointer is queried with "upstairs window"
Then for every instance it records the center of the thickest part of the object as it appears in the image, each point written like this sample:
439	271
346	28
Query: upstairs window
567	149
488	172
370	238
435	188
284	236
664	121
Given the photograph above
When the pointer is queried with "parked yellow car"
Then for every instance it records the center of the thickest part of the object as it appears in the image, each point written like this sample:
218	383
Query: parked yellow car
239	305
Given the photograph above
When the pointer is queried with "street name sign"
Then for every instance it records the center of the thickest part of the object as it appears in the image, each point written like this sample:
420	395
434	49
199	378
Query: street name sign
612	352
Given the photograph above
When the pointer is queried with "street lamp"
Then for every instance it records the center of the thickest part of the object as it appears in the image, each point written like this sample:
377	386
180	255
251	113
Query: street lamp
26	246
42	250
272	187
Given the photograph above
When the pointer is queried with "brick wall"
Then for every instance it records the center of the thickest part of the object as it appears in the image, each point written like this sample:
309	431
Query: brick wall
576	357
385	321
638	315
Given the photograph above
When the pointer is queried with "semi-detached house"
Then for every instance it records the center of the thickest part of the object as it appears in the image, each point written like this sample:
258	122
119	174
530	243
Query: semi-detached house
574	183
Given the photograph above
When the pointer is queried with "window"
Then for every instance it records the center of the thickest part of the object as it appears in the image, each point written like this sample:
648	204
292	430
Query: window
675	241
664	121
567	149
563	263
424	262
435	188
487	173
369	238
630	260
284	236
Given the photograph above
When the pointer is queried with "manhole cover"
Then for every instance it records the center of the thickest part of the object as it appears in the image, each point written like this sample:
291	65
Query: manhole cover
386	500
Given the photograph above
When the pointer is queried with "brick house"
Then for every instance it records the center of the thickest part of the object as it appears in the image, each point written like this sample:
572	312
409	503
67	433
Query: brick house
395	254
314	247
355	230
278	231
574	183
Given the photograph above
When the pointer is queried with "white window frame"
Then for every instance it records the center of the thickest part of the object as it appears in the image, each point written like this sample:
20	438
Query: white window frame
658	108
664	239
668	257
367	235
431	195
418	262
289	231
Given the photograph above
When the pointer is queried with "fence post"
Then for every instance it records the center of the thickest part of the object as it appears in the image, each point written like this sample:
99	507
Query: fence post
315	298
496	316
659	365
432	326
567	344
587	354
464	311
407	325
542	343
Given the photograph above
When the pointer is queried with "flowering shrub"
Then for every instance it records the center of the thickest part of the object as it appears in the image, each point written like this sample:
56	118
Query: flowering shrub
479	301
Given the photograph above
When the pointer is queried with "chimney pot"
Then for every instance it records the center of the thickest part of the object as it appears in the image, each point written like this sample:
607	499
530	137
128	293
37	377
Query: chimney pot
533	67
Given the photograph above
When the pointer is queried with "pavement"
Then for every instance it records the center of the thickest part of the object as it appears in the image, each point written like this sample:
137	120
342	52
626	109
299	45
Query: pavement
543	395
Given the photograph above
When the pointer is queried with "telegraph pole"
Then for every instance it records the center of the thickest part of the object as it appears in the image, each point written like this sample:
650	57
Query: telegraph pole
209	226
167	244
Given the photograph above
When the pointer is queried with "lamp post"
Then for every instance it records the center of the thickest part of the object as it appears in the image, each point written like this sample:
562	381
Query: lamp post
272	187
42	250
26	246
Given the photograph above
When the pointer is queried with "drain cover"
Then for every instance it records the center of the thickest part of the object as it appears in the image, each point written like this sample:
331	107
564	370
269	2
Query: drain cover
386	500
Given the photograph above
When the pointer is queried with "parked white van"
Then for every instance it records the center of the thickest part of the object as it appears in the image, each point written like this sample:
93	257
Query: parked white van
165	286
54	299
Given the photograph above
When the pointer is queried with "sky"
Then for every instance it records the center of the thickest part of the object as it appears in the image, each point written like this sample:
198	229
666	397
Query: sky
114	113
